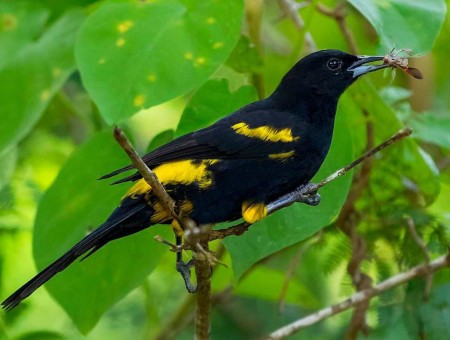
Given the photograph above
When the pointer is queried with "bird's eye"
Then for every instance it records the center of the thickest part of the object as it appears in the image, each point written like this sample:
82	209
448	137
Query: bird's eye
334	64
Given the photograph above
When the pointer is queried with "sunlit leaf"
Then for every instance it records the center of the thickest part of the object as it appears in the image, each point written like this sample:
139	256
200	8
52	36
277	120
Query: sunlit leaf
145	53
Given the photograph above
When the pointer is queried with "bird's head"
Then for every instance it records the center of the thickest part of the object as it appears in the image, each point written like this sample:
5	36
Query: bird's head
326	73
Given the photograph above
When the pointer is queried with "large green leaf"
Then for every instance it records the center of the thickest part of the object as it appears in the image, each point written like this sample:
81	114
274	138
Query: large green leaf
404	23
291	225
74	203
37	71
138	54
212	102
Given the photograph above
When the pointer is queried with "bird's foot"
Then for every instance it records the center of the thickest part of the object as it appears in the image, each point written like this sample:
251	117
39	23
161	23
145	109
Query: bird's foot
310	198
185	270
305	193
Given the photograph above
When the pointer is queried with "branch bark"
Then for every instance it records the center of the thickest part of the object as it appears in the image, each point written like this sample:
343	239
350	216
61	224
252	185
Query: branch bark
364	295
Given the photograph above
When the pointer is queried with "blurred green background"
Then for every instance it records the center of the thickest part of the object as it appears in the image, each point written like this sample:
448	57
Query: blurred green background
71	70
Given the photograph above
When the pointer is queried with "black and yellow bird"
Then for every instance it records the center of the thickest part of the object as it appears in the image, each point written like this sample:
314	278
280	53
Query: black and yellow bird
234	168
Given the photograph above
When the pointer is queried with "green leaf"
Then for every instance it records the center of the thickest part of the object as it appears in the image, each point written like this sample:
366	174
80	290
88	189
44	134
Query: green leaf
245	57
294	224
273	286
405	161
20	24
212	102
138	54
161	139
431	128
31	79
8	159
404	23
74	203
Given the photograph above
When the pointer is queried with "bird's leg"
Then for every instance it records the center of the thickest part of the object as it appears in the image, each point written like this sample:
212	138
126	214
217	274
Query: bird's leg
302	195
184	268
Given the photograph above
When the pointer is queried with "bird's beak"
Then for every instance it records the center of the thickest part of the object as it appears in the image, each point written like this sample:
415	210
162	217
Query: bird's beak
359	67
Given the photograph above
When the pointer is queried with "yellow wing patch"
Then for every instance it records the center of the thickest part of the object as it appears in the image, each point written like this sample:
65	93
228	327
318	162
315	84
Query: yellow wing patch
180	172
253	212
266	133
282	155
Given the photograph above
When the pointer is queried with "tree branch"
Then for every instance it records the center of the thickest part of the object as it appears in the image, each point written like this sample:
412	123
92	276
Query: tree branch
364	295
195	237
148	175
312	189
290	9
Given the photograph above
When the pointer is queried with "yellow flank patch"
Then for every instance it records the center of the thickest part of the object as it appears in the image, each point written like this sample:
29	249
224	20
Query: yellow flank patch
160	214
266	133
282	155
177	228
253	212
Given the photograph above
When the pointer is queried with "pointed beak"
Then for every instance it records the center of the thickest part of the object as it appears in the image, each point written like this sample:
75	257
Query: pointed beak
359	67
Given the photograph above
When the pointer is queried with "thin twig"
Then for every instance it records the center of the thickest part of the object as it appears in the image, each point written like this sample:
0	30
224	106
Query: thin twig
367	294
339	13
290	9
148	175
312	189
195	237
426	254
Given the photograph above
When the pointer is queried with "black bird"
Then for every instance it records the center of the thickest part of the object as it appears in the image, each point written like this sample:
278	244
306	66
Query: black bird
234	168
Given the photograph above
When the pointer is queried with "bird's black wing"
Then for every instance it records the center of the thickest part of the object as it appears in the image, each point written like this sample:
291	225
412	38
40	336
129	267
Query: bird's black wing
243	135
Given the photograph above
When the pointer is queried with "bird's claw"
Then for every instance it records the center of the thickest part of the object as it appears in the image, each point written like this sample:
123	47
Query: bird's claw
312	198
185	270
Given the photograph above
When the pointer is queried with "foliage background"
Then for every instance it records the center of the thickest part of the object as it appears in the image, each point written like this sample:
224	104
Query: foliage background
71	70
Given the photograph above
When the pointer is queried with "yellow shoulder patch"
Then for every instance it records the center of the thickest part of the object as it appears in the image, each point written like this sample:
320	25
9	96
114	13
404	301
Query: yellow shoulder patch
266	133
253	212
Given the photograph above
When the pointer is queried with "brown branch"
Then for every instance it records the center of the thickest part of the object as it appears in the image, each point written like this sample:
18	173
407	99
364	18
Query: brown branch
148	175
312	189
348	221
196	238
339	13
367	294
290	9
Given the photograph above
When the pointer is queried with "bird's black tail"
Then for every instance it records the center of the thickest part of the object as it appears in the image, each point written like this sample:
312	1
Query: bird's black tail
103	234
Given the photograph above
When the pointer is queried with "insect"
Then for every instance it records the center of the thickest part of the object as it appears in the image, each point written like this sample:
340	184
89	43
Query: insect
395	61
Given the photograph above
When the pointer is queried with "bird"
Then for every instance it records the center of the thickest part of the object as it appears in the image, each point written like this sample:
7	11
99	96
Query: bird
235	167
